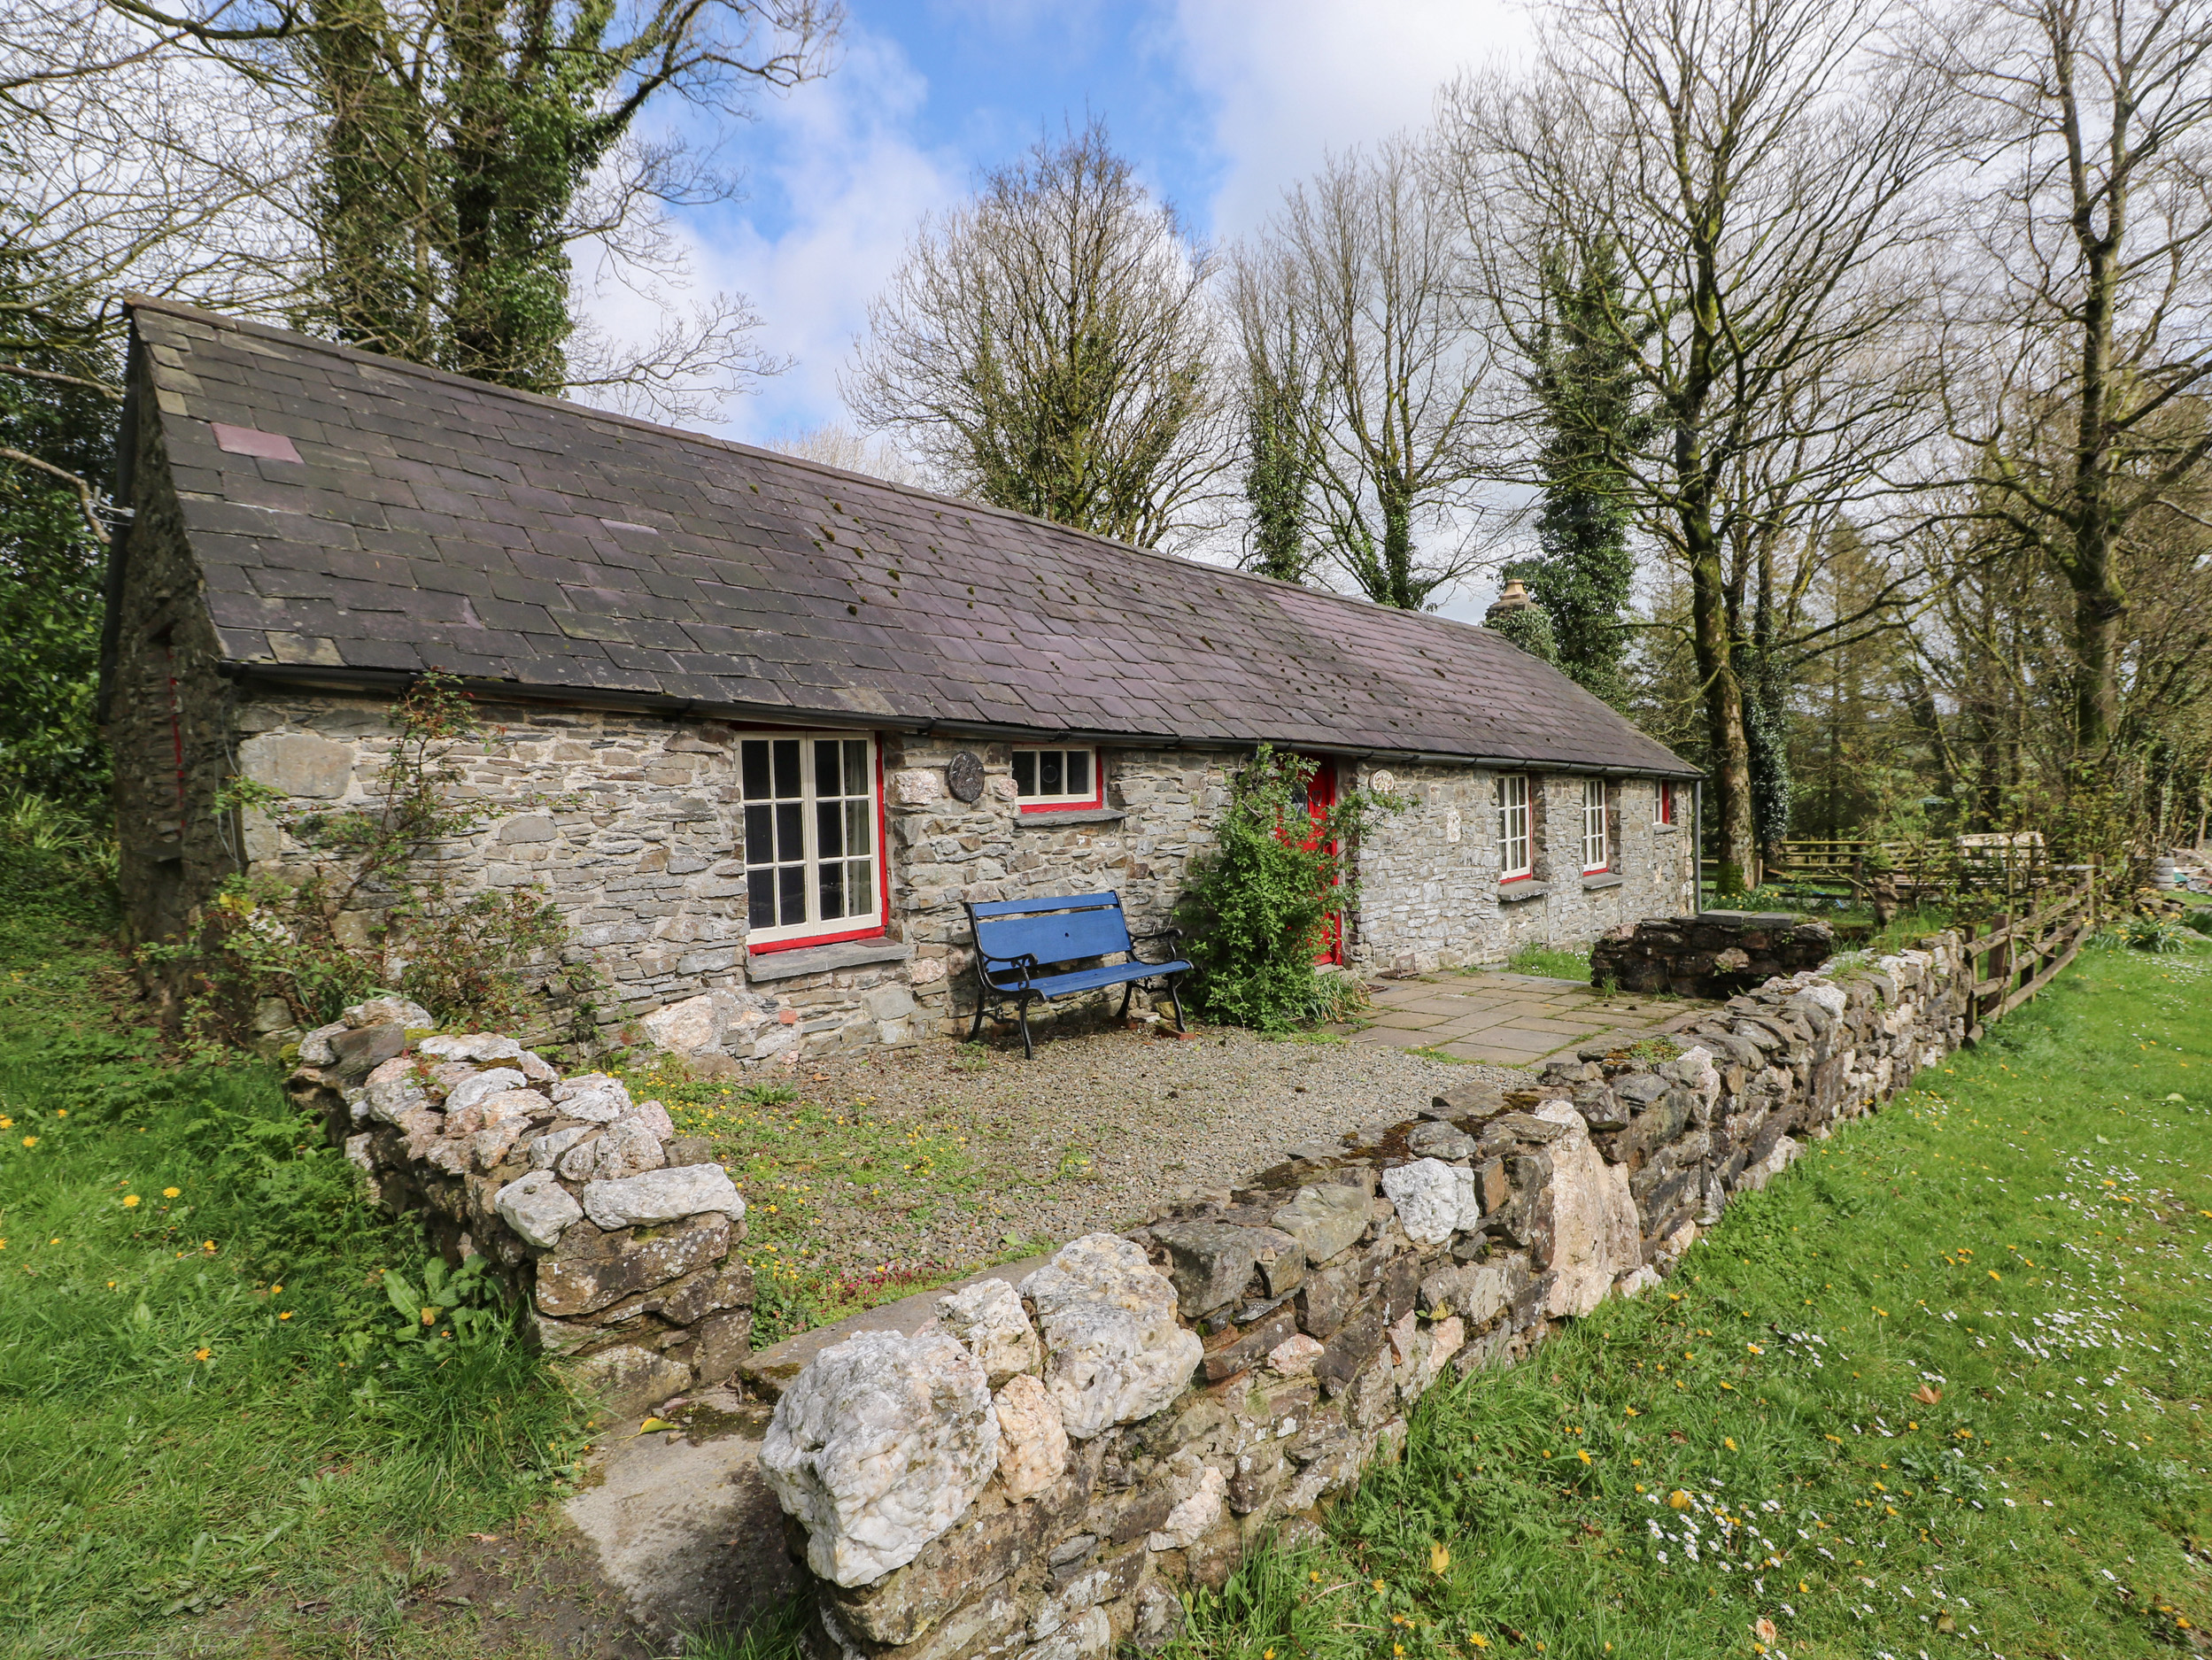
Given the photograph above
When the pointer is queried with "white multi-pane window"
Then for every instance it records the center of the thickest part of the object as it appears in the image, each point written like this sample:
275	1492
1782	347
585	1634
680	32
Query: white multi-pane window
1516	846
1055	777
810	843
1596	830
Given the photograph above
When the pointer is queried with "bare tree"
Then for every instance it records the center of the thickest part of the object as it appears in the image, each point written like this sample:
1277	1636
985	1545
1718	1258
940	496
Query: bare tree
2085	307
1752	183
1352	295
1052	348
849	451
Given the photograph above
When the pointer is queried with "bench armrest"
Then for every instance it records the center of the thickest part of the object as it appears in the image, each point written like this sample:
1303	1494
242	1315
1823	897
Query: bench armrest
1174	934
1024	965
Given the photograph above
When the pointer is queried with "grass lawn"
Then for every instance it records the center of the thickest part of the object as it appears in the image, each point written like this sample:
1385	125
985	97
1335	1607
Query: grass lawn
217	1434
1552	962
1935	1393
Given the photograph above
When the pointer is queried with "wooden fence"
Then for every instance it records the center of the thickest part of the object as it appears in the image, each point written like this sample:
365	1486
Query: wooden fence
2013	958
1931	869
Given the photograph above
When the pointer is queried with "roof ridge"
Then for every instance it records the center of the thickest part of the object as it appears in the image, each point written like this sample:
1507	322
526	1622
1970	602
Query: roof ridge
407	365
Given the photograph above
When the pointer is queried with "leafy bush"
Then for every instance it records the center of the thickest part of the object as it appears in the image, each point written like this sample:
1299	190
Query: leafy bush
378	909
1261	905
2155	933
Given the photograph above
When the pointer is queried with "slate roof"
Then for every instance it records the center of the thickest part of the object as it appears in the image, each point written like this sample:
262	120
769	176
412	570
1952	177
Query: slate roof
430	521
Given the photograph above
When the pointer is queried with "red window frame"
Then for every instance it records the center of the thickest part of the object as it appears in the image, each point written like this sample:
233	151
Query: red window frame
880	928
1097	798
1665	802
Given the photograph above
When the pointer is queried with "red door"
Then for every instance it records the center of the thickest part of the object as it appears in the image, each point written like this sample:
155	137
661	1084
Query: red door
1321	800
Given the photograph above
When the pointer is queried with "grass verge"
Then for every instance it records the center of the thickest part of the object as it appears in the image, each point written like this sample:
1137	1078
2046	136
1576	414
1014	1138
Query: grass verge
1935	1393
1550	963
217	1433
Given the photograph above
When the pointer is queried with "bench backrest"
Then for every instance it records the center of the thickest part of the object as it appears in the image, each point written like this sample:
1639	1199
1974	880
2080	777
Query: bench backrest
1051	931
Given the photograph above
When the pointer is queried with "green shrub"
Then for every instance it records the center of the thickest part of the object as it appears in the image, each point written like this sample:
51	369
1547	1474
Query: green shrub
1260	907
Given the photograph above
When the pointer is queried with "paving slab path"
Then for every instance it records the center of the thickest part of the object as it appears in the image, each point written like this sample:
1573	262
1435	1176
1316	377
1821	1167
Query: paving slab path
1504	1019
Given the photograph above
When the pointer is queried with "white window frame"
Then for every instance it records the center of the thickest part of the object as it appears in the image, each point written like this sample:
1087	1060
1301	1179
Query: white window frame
1597	829
1095	796
853	924
1516	827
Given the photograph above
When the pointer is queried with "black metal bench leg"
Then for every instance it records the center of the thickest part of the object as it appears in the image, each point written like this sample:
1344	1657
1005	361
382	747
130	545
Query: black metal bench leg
1128	992
1176	998
976	1032
1029	1049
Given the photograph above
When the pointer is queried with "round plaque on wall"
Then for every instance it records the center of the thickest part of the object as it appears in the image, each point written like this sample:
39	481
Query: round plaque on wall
963	775
1382	783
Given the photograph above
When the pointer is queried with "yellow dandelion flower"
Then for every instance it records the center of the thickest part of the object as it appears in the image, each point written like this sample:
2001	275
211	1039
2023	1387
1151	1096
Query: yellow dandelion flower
130	1202
171	1192
201	1353
1582	1454
30	1141
1678	1500
286	1314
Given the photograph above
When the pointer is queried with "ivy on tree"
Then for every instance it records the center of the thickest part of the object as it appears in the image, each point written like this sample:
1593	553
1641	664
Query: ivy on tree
1585	380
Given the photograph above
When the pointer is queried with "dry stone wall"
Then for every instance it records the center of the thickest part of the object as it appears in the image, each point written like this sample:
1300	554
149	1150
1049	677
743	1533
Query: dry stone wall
621	1234
1039	1471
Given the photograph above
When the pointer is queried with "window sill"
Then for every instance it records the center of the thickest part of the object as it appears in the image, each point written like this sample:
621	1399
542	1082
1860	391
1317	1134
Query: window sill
1514	892
1667	830
1602	879
797	960
1053	818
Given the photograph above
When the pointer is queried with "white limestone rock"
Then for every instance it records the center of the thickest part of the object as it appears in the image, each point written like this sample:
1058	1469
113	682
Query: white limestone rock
1470	1217
695	1025
628	1379
654	1117
1088	1636
1296	1357
666	1195
481	1047
1113	1351
1427	1194
1199	1492
1596	1236
593	1096
395	1089
987	1319
314	1048
626	1148
1032	1441
545	1150
538	1208
881	1445
483	1086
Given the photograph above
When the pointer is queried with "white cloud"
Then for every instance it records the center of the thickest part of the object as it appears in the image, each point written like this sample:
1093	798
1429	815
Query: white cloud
834	167
1292	80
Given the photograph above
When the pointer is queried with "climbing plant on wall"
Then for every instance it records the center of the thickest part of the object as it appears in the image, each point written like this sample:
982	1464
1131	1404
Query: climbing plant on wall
1260	907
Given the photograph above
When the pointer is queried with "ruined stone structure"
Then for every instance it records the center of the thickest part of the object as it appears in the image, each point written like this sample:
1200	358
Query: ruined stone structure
621	1234
758	727
1715	953
1039	1471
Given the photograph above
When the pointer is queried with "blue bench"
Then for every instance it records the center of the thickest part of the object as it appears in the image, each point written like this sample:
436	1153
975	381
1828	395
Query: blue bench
1022	946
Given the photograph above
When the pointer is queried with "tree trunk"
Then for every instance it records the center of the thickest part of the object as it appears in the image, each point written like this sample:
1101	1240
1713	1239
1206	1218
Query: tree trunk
1397	548
1731	764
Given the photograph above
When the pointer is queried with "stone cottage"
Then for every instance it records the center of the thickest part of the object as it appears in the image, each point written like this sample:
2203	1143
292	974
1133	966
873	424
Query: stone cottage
760	726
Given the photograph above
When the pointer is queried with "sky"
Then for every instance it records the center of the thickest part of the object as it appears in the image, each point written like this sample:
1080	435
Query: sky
1218	103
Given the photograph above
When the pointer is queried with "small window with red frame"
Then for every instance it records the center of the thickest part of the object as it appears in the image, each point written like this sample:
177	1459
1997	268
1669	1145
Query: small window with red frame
1056	779
1666	803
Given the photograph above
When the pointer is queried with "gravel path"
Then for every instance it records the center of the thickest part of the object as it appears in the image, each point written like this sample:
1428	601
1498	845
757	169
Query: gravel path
1100	1127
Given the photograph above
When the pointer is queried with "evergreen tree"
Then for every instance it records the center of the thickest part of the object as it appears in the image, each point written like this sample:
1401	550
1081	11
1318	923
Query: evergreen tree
54	434
1585	381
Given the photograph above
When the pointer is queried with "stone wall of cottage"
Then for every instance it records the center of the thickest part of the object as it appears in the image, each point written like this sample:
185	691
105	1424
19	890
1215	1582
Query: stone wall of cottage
1045	1469
1431	898
633	824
